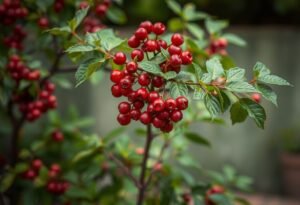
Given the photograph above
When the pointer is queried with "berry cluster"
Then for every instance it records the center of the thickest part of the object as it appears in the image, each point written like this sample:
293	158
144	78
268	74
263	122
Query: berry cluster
55	185
16	38
11	10
57	136
217	46
160	112
59	5
33	170
91	24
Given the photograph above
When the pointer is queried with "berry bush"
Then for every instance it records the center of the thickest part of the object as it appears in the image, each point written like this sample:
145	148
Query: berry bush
167	76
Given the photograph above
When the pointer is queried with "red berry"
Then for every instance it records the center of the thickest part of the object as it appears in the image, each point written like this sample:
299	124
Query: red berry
124	107
182	103
142	93
126	92
119	58
157	81
36	113
133	42
44	94
83	4
170	104
131	67
138	104
158	105
43	22
163	44
151	45
158	123
145	118
175	60
132	96
141	33
137	54
153	96
174	50
101	10
36	164
222	43
30	174
116	76
34	75
57	136
176	116
164	115
135	114
124	119
256	97
50	87
147	25
177	39
125	83
167	128
186	58
159	28
144	79
116	91
55	168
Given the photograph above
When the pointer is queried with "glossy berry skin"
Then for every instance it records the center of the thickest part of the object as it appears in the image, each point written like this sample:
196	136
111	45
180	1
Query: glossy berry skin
174	50
137	54
151	45
256	97
176	116
133	42
164	115
186	57
153	96
163	44
177	39
147	25
175	60
125	83
138	104
182	103
145	118
142	93
124	107
158	105
171	104
116	91
124	119
131	67
135	114
157	81
144	79
141	33
159	28
119	58
158	123
167	128
116	76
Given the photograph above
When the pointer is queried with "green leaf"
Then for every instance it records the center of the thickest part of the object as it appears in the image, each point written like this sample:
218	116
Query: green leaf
212	105
116	15
198	71
44	4
215	68
240	87
195	30
190	13
79	16
86	69
196	138
238	113
273	79
234	39
220	199
260	70
235	74
80	48
169	75
215	26
60	31
84	154
267	93
242	201
175	24
7	181
255	111
113	134
178	89
108	39
150	67
174	6
140	132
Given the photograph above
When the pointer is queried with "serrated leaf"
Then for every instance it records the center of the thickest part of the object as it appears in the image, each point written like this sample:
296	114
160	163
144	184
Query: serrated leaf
86	69
196	138
215	68
60	30
212	105
150	67
80	48
199	94
116	15
273	79
267	93
234	39
190	13
260	70
238	113
198	71
255	111
175	24
169	75
174	6
178	89
240	87
235	74
79	16
215	26
195	30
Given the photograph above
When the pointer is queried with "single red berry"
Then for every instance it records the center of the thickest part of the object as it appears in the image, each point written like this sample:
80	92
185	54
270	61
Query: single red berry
36	113
142	93
50	87
101	10
182	103
34	75
126	91
147	25
36	164
137	54
256	97
222	43
186	57
138	104
116	76
141	33
159	105
83	4
159	28
176	116
157	81
124	107
168	127
163	44
175	60
57	136
158	123
125	83
55	168
132	96
30	174
150	109
131	67
133	42
174	50
52	101
43	22
164	115
124	119
119	58
116	90
177	39
145	118
151	45
144	79
170	104
152	96
44	94
135	114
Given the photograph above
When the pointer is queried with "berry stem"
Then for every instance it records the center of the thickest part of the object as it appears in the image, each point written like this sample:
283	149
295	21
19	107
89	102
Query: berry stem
142	181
